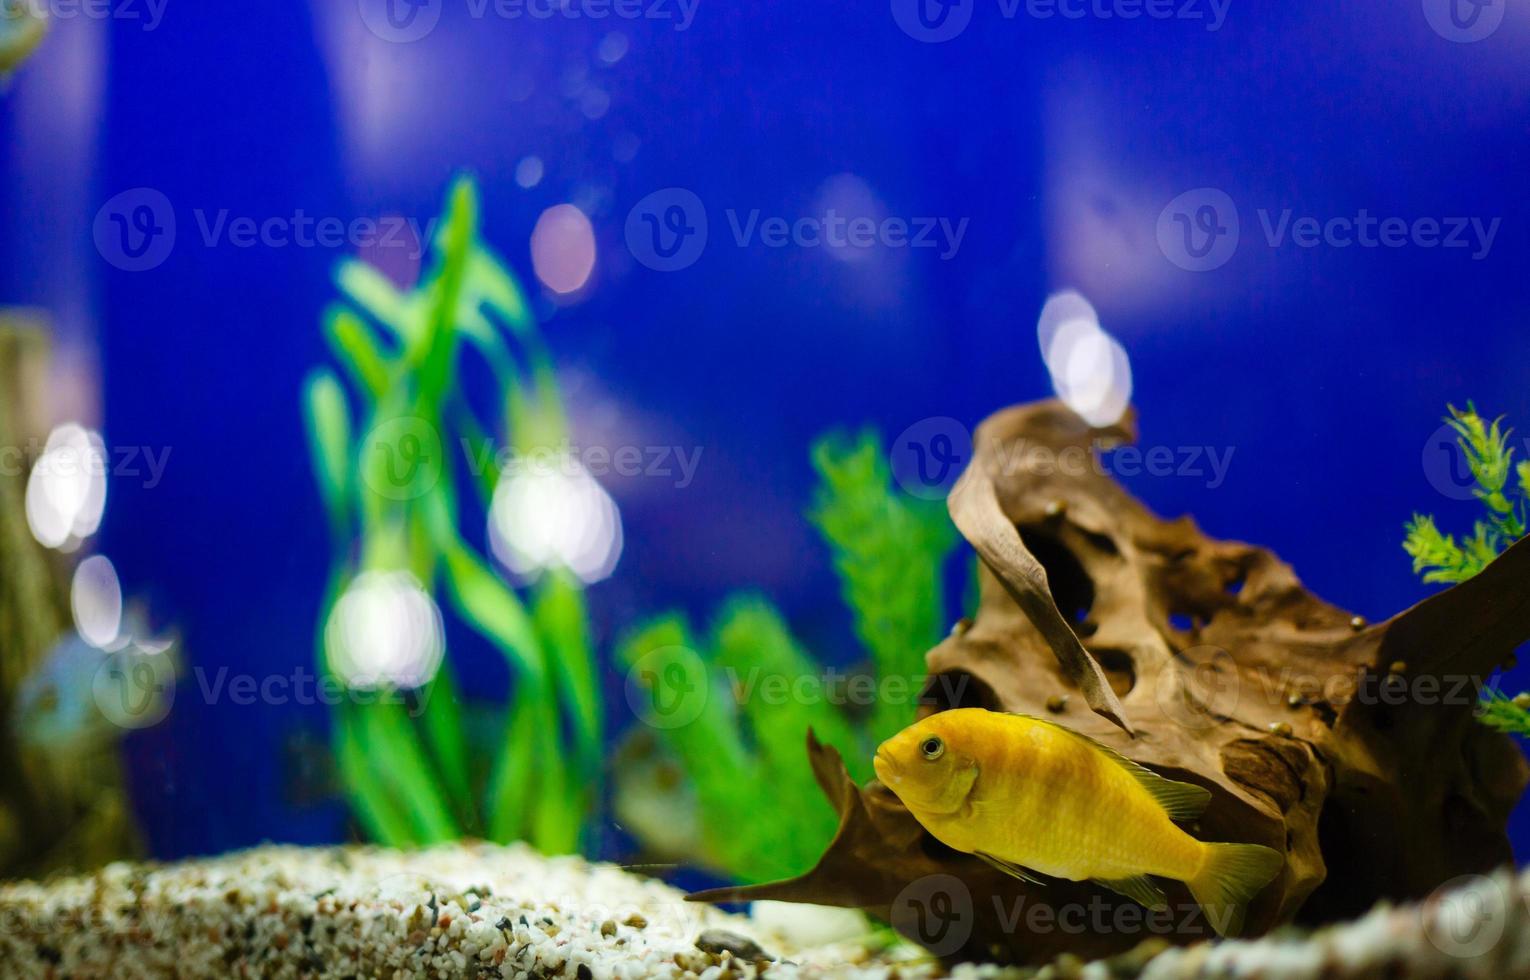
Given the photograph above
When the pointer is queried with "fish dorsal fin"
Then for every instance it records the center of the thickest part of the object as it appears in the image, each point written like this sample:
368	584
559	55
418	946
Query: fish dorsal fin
1010	868
1181	801
1139	889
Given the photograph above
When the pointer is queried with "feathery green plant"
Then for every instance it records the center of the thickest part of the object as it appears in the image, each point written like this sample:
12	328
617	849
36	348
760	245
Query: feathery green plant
1436	555
755	691
1439	558
1505	714
394	502
888	551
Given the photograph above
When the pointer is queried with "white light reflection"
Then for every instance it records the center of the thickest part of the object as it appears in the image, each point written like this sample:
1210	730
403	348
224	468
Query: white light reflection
385	631
95	596
546	516
563	248
528	173
66	491
1090	370
1060	310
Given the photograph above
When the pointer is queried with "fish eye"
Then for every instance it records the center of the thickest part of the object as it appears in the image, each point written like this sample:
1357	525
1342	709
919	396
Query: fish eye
932	748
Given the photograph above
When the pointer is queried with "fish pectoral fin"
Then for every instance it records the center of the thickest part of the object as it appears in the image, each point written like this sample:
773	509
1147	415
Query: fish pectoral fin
1139	889
1010	868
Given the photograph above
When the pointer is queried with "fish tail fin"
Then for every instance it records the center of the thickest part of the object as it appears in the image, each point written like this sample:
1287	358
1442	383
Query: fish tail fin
1230	875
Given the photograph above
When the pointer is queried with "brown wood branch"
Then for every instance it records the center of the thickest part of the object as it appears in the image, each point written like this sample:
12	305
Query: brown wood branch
978	515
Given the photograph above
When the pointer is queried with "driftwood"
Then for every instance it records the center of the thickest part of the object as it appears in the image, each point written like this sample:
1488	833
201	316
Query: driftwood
1351	748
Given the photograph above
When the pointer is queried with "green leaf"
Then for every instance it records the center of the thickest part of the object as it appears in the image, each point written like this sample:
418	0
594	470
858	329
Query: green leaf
371	291
328	420
434	354
441	713
561	620
399	764
379	811
358	351
488	605
488	282
512	785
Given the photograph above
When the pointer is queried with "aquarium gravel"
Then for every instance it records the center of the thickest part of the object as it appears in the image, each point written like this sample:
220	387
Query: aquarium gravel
472	910
479	910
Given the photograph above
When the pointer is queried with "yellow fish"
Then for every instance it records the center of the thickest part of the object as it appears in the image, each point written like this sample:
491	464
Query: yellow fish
1022	793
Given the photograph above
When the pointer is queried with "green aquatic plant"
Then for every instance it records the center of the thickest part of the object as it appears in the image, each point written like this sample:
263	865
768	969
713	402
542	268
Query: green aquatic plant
889	552
395	489
1505	714
732	708
1437	556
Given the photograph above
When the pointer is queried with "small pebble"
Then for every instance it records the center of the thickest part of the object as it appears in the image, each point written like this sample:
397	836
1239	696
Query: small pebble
1280	728
1056	508
1357	623
716	941
1057	703
961	626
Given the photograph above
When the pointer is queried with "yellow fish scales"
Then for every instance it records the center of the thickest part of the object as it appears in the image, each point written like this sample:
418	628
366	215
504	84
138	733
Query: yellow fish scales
1028	795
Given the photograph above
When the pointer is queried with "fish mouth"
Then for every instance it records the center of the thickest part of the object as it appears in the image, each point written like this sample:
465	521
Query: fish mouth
887	770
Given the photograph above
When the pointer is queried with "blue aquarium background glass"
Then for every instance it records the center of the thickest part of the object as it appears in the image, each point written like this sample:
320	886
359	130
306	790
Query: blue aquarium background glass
1055	142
